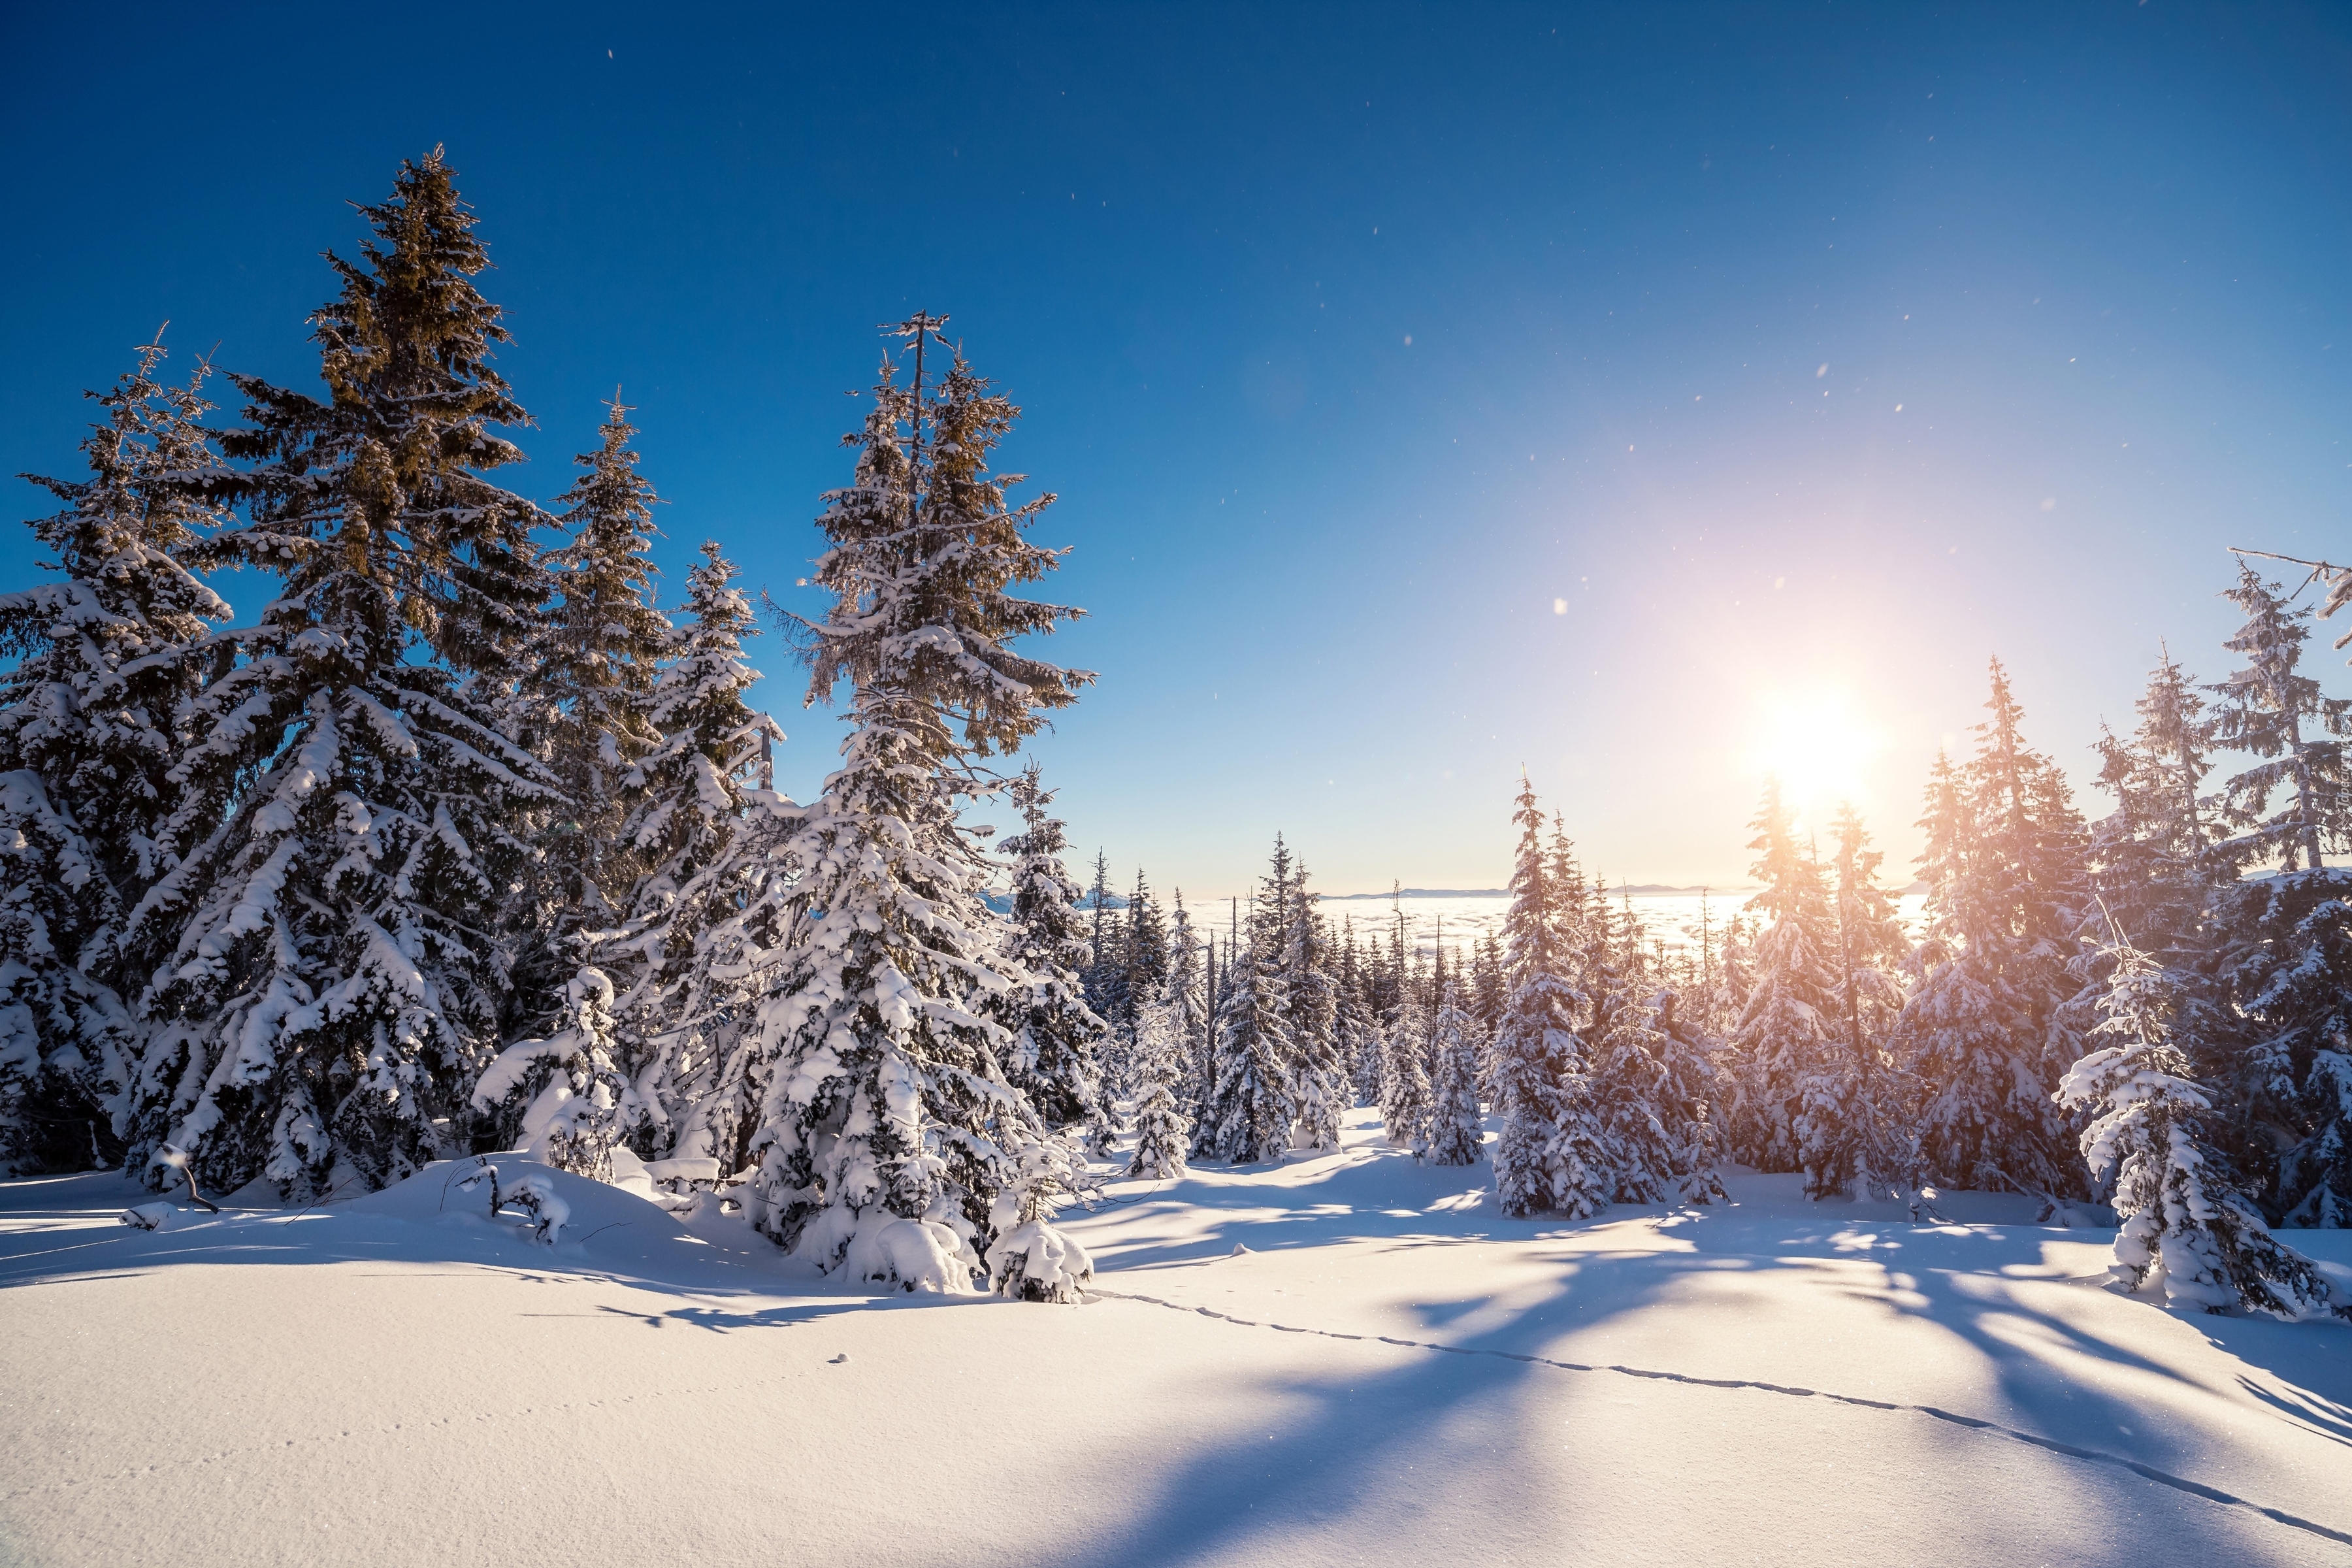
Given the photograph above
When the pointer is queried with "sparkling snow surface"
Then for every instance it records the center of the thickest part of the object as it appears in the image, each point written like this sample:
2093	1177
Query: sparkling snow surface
1346	1359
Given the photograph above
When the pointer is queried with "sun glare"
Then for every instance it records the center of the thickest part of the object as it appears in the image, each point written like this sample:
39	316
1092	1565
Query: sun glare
1816	748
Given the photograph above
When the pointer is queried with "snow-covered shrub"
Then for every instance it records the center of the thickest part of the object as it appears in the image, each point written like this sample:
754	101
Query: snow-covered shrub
563	1099
533	1192
1036	1262
2185	1223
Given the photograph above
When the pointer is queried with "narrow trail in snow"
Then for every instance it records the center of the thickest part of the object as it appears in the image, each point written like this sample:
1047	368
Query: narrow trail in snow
1993	1428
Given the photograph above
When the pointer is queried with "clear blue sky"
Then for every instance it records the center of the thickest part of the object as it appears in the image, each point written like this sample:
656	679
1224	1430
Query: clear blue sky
1430	389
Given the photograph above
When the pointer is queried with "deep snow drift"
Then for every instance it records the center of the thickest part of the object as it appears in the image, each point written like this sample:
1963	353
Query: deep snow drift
1346	1359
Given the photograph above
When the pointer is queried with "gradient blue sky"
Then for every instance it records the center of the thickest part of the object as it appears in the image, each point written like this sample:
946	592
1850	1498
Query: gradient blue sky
1429	390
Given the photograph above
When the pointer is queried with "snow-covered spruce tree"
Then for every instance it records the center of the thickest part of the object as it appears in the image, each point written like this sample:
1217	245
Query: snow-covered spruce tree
2285	963
1861	1108
1734	977
2285	938
1143	944
1691	1098
1253	1103
1163	1131
326	984
1187	998
2151	860
1550	1156
1455	1129
2186	1223
1489	994
87	734
1055	1035
1311	997
1982	1028
1357	1024
589	695
1670	1122
1787	1037
1628	1076
703	824
2272	710
1104	972
892	1141
566	1100
1407	1093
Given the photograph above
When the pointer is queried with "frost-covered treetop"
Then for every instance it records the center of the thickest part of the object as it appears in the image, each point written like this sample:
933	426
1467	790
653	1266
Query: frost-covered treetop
924	547
607	636
89	702
398	449
2272	710
154	478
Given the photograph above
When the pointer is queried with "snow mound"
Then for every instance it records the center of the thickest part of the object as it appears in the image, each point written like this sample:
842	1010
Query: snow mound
880	1248
553	1208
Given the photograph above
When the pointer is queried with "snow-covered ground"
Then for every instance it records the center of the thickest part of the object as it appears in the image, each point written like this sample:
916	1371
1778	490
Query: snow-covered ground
1349	1359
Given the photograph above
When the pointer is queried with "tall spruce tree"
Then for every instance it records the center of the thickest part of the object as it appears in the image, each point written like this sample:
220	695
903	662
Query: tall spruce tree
2151	860
1311	998
1168	1032
1186	996
1550	1156
704	820
1455	1129
1630	1091
1858	1110
589	697
2285	935
1984	1027
893	1143
1105	969
1408	1094
2155	877
1254	1101
89	731
1357	1024
2272	710
1143	944
349	815
1691	1096
1787	1035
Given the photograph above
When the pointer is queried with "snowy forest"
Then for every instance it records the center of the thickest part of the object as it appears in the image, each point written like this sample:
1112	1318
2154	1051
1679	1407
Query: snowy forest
466	846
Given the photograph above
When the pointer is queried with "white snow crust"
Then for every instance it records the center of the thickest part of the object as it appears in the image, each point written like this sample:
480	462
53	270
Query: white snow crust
1345	1358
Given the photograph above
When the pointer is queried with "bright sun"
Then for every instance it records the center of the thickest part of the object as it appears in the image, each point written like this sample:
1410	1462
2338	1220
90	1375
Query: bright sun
1816	749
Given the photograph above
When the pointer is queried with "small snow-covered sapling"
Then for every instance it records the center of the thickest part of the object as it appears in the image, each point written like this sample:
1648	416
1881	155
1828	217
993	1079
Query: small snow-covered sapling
177	1158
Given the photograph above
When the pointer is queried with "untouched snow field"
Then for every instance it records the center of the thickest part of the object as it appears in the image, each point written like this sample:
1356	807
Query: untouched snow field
1389	1374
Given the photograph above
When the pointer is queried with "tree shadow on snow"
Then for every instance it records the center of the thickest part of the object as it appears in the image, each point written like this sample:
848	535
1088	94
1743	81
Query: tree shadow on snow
65	1232
1353	1439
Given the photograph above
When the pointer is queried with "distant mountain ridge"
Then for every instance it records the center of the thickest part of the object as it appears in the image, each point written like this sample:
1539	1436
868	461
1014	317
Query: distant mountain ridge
1002	902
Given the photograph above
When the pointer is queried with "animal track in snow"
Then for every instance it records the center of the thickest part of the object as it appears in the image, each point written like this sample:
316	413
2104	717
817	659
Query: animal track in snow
2095	1456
